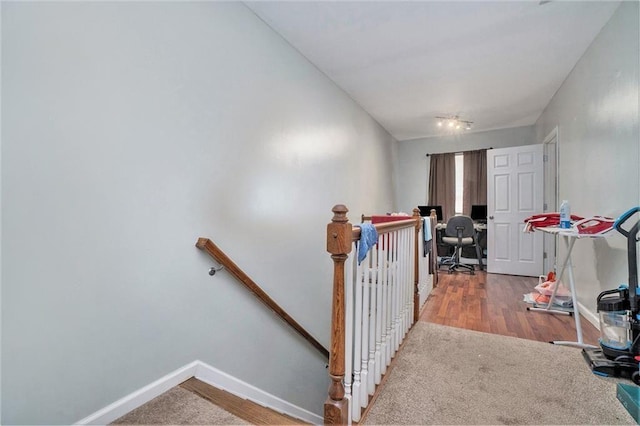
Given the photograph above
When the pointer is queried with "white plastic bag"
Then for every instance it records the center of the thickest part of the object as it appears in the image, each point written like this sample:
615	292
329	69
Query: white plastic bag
545	287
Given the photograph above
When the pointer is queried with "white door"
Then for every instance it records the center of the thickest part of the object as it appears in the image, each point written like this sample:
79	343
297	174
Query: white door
514	192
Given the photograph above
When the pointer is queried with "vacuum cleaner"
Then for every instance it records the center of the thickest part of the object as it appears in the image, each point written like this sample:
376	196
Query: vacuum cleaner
619	313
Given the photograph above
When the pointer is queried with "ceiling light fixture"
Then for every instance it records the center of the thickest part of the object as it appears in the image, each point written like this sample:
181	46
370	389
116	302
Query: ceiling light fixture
454	122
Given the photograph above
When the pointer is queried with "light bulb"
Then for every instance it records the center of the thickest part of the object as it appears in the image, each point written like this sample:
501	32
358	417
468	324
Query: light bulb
439	123
451	123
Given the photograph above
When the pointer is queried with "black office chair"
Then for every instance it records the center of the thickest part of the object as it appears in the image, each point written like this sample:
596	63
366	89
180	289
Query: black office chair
460	233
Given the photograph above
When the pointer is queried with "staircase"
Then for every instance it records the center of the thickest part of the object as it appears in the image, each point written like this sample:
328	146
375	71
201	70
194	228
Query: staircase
196	402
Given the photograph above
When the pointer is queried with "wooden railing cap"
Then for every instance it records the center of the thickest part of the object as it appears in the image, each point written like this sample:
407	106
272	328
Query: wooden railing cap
339	232
340	213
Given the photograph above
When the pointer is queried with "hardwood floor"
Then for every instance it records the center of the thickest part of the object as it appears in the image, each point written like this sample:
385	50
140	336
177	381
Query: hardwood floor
493	303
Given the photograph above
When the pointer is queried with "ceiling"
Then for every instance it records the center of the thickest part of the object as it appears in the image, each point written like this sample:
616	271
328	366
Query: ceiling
497	64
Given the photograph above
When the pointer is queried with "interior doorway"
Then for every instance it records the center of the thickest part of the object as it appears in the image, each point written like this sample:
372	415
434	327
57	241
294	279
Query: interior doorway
550	161
515	187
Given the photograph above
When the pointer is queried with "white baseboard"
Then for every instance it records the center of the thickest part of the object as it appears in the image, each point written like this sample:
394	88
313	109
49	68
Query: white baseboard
137	398
590	316
424	289
207	374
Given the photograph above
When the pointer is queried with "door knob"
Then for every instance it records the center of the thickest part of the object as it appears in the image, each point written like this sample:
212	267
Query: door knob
491	217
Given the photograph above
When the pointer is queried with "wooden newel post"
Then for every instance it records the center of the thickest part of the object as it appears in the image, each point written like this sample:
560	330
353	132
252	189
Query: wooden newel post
339	244
416	266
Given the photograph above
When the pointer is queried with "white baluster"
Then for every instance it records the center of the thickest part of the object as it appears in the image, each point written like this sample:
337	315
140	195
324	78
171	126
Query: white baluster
364	351
402	260
389	308
412	284
401	285
410	287
409	283
384	335
380	283
402	251
357	342
371	386
350	270
396	294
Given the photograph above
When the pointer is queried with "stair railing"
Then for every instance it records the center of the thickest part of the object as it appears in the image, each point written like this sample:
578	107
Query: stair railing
375	303
229	265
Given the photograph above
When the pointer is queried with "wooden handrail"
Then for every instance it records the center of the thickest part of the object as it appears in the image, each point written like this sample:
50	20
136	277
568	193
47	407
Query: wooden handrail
384	227
219	256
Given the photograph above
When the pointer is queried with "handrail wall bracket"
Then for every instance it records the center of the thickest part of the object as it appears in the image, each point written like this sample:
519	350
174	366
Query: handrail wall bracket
213	270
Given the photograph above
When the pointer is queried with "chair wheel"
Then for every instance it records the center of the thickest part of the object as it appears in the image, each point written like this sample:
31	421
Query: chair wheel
635	377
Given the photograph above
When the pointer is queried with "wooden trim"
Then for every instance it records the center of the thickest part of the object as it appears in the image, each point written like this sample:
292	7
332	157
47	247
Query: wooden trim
384	228
416	266
247	410
214	377
214	251
339	243
434	247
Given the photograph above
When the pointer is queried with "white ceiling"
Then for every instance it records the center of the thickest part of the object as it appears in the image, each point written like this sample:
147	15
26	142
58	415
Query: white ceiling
497	64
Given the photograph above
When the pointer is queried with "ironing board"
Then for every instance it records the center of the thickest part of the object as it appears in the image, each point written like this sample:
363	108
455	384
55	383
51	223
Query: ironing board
569	236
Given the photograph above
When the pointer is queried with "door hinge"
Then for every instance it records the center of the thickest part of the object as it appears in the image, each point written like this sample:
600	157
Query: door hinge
544	255
545	207
545	158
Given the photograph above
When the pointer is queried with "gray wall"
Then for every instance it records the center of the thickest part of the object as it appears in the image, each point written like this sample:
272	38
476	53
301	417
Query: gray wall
596	112
413	175
130	130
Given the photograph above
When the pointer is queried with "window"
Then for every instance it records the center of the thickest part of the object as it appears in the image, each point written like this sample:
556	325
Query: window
459	181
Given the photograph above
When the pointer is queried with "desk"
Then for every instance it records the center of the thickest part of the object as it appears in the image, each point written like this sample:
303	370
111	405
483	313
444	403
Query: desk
570	236
477	226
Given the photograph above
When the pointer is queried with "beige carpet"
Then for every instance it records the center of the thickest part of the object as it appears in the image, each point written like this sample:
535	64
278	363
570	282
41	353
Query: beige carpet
447	375
178	406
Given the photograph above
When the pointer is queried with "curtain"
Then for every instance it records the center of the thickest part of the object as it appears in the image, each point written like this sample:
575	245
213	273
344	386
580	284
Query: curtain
475	179
442	183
